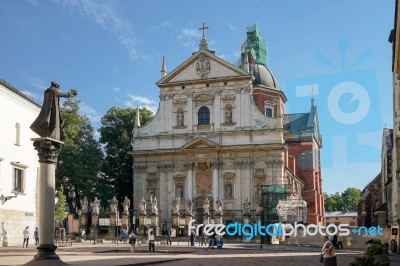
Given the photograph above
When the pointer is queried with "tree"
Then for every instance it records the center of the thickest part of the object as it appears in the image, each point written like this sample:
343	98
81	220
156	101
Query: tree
345	201
116	134
80	159
60	214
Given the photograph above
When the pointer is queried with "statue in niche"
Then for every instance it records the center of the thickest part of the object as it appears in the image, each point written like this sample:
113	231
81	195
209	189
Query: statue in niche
49	121
228	114
126	204
246	206
96	206
218	203
206	206
180	118
228	190
179	191
142	206
114	205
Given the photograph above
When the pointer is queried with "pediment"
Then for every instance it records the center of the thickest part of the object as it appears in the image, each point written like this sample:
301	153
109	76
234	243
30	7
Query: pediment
200	143
203	65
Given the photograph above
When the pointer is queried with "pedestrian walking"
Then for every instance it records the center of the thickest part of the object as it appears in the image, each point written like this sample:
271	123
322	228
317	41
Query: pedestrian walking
339	241
192	238
151	241
132	241
36	236
202	239
328	256
168	235
26	236
212	240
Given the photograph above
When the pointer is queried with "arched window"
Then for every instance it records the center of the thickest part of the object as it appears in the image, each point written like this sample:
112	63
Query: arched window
204	116
17	134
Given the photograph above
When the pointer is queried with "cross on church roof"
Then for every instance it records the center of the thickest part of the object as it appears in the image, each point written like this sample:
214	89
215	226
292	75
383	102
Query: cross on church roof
204	27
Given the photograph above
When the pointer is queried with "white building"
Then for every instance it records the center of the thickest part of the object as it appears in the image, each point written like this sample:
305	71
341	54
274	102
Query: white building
18	165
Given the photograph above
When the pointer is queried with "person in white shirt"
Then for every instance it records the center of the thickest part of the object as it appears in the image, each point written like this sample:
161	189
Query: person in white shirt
151	241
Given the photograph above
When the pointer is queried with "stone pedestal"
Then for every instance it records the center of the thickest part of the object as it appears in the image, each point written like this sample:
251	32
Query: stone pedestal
48	150
82	221
141	230
246	219
218	219
142	219
112	229
155	224
206	218
125	221
175	219
188	217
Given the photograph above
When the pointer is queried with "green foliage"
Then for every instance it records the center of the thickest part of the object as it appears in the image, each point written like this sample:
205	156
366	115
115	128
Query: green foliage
60	212
345	201
116	134
375	248
80	159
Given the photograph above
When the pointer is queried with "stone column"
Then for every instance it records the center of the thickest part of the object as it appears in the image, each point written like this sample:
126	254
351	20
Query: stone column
189	181
215	182
48	150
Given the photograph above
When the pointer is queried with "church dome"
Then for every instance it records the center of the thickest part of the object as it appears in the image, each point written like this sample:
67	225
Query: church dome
263	77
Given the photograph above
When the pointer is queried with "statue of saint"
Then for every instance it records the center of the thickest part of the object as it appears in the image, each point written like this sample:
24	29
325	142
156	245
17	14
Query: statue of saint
96	206
228	114
219	206
126	204
176	203
84	205
189	206
246	206
142	206
154	207
49	122
180	118
206	206
228	190
114	205
179	191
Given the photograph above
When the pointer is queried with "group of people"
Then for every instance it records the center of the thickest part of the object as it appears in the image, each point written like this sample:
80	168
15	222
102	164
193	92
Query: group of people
331	242
26	234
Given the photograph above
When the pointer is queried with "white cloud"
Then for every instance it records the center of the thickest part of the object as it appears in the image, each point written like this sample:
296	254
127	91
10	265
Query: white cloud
230	26
190	37
104	14
115	89
90	112
34	96
141	102
36	82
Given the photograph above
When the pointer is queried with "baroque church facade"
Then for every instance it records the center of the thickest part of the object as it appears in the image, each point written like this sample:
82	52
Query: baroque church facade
221	133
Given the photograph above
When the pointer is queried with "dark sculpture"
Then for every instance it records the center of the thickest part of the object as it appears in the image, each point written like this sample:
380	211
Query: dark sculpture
49	122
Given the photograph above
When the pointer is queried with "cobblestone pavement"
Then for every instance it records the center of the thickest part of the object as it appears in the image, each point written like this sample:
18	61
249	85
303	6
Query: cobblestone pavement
231	255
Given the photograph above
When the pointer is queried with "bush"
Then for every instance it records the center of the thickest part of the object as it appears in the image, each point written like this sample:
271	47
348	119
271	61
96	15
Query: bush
374	248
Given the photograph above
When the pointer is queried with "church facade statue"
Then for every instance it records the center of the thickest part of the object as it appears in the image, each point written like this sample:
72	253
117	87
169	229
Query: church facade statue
96	206
246	206
114	205
228	114
180	118
84	205
176	205
142	206
218	204
126	204
189	206
49	122
154	207
206	206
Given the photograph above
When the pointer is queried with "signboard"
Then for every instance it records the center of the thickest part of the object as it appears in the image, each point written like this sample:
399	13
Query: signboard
104	221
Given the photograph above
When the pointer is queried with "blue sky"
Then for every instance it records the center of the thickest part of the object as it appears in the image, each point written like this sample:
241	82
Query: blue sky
111	52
